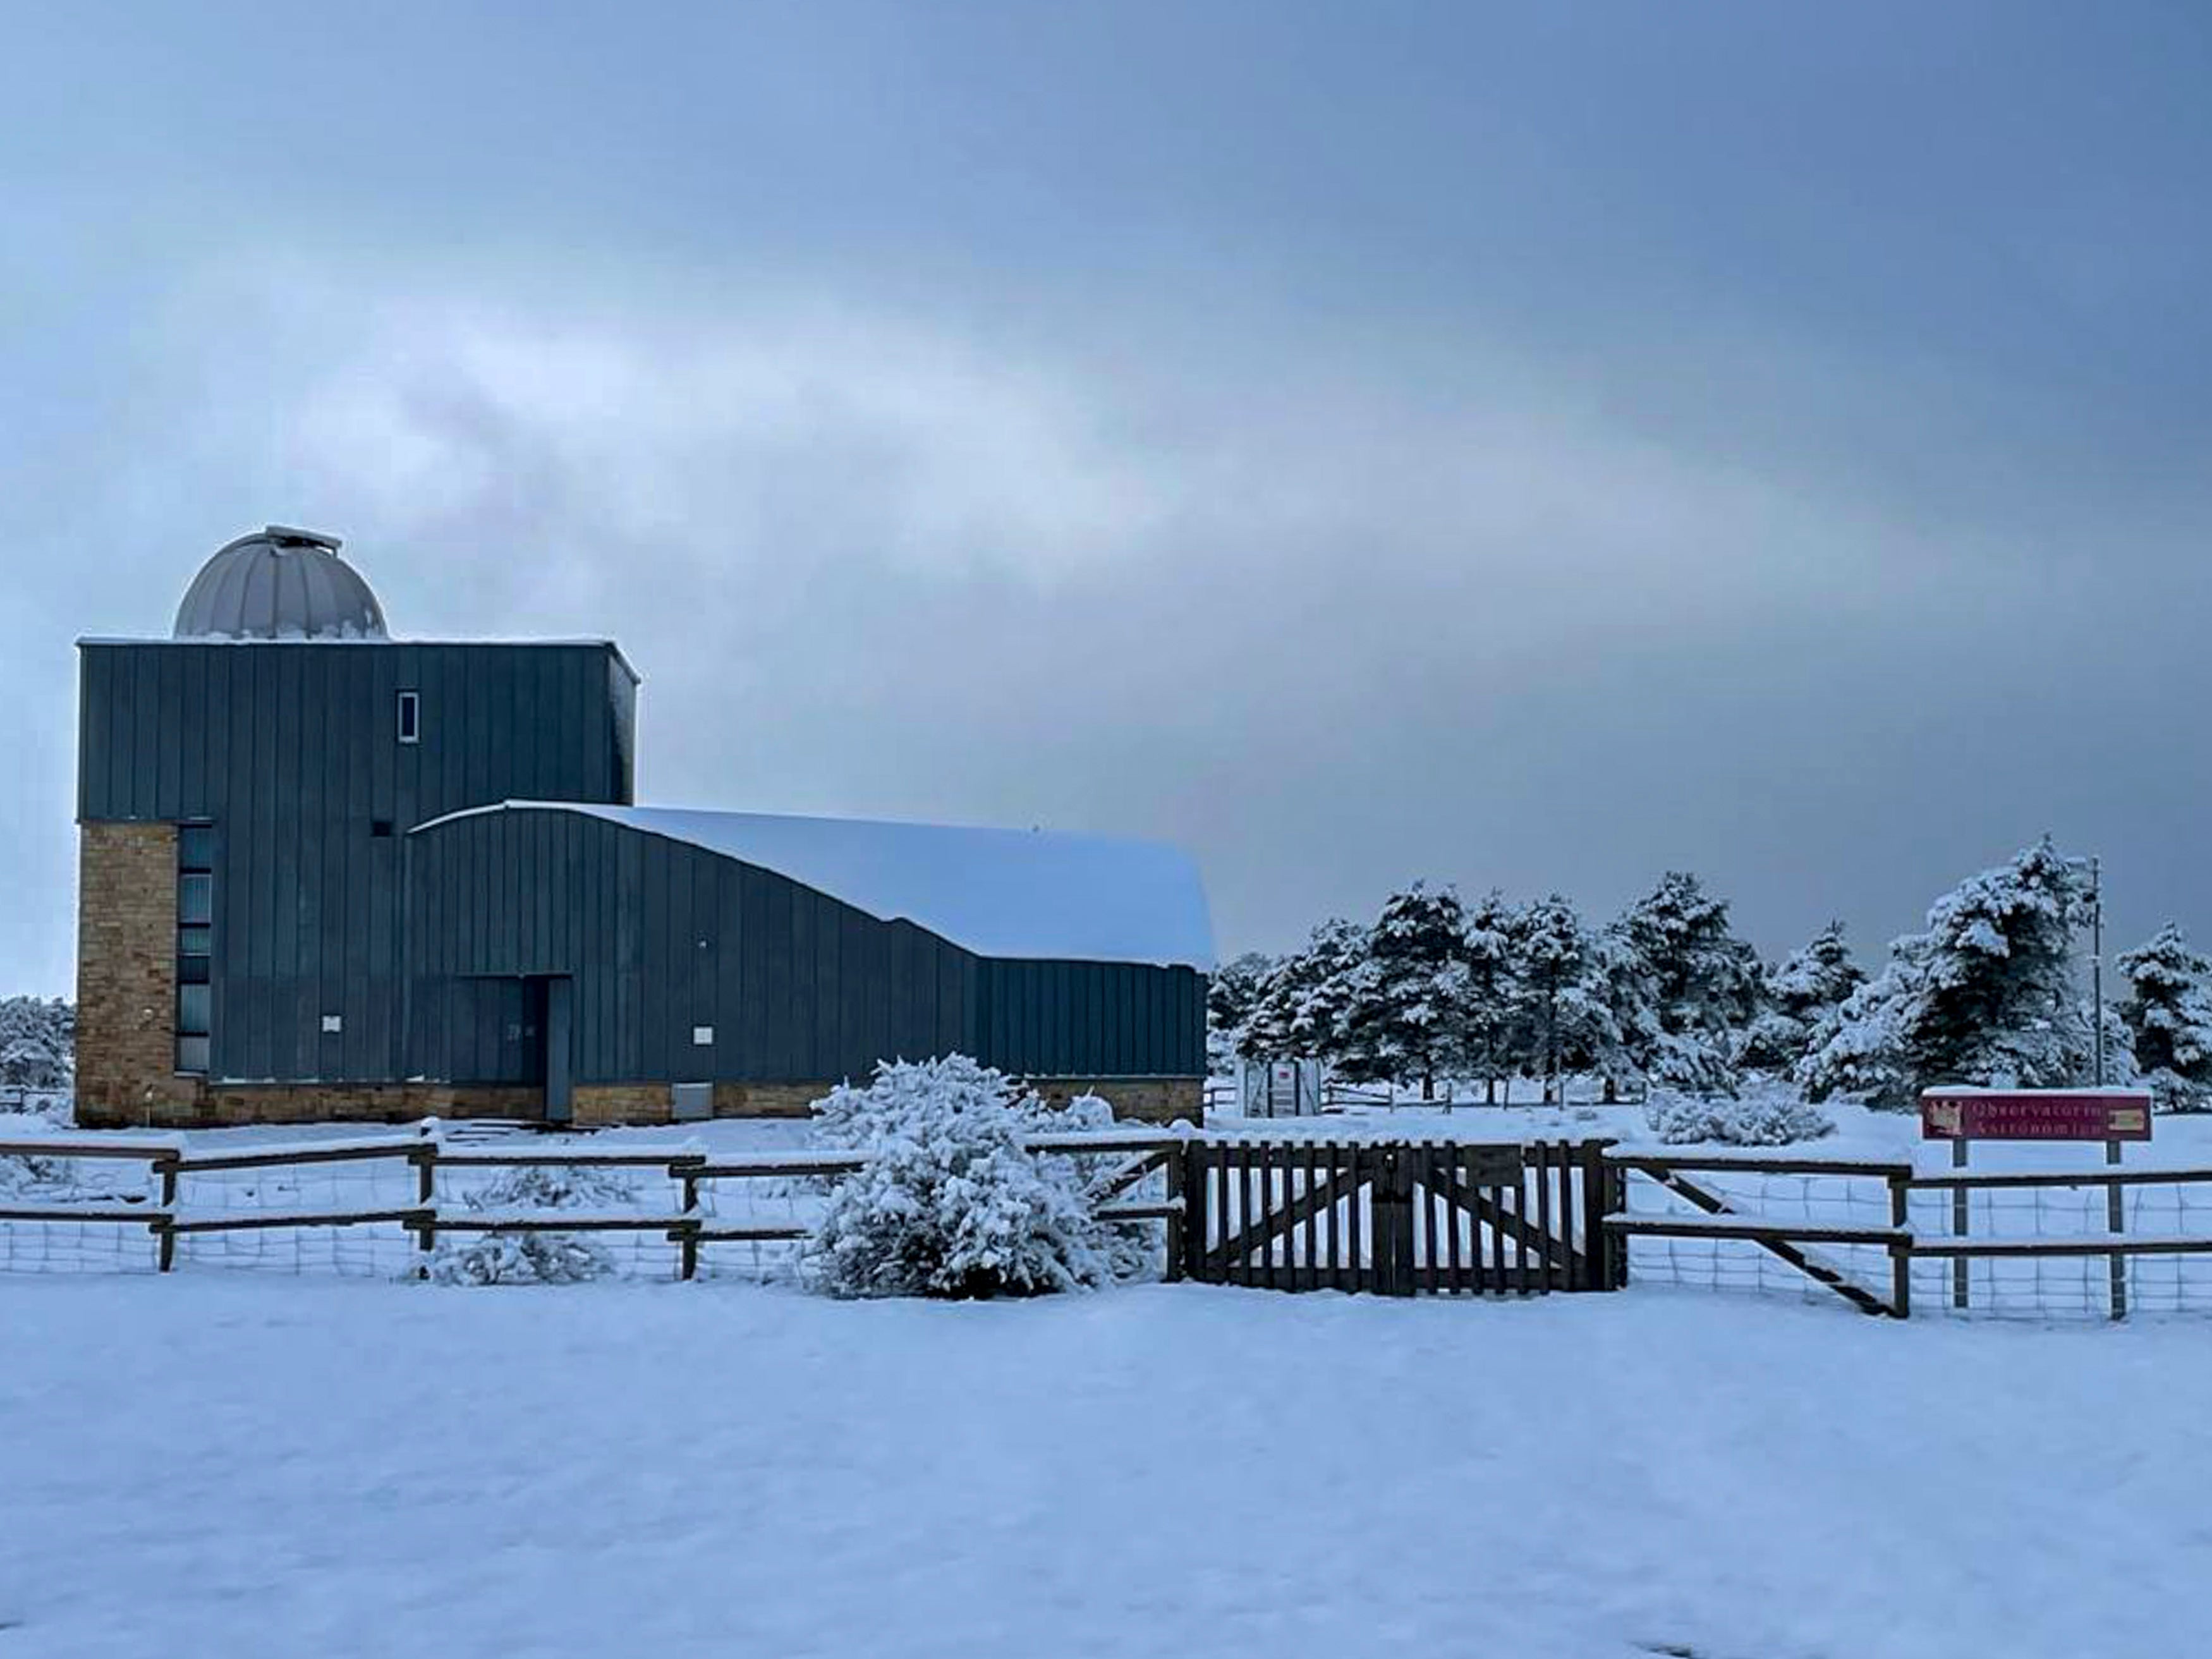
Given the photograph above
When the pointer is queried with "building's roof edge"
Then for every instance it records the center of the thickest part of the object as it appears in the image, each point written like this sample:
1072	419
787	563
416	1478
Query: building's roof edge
596	642
1012	895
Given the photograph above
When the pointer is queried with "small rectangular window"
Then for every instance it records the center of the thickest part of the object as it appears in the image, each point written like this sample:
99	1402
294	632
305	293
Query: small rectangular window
410	717
193	1007
191	1053
195	899
196	846
194	941
192	970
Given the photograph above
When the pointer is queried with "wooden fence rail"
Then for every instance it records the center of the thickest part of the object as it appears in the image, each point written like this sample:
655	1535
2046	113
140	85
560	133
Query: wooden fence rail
1788	1239
1388	1217
1141	1154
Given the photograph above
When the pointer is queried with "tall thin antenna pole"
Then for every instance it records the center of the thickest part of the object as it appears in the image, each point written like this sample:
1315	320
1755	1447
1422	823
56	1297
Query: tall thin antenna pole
2097	958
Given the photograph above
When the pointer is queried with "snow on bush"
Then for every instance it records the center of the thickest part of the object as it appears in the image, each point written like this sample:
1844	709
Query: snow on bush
534	1258
1770	1120
951	1204
20	1172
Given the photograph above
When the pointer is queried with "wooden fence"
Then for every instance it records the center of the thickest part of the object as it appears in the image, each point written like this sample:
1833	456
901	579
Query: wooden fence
683	1222
1399	1217
1691	1177
1384	1217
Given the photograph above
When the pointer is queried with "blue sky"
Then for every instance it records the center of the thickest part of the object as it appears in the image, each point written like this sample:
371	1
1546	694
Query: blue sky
1522	445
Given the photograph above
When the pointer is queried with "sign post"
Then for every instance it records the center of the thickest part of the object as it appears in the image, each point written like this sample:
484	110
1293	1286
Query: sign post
2112	1116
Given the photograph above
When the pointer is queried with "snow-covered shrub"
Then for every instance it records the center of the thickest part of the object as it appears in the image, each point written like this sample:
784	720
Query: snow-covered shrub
1764	1120
21	1172
533	1258
520	1259
38	1040
553	1186
951	1204
1132	1248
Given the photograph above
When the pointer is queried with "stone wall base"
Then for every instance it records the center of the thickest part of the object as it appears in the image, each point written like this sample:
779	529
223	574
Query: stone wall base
1135	1099
197	1105
1139	1099
192	1104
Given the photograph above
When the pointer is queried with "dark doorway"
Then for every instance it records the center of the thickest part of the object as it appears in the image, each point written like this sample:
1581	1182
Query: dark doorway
558	1026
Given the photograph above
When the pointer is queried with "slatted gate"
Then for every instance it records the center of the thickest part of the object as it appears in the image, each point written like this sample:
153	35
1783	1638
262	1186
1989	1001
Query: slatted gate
1400	1217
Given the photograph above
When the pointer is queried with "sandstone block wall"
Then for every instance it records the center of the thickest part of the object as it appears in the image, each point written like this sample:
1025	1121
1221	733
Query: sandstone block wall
127	976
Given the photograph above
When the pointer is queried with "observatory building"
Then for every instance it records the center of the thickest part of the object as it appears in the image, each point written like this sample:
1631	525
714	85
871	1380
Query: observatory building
327	874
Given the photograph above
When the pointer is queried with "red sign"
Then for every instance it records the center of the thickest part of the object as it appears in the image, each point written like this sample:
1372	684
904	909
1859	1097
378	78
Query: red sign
2035	1115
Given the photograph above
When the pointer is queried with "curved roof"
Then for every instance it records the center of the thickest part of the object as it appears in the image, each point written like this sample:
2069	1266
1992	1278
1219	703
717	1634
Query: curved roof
1017	894
279	584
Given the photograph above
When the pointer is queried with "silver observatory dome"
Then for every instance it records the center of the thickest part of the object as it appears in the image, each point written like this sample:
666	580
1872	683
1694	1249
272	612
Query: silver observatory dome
280	584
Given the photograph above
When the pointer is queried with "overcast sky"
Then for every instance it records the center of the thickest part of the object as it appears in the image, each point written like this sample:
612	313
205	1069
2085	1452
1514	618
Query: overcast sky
1529	445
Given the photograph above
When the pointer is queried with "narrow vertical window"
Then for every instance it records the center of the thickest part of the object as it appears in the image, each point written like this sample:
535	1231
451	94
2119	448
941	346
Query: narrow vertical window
410	717
195	945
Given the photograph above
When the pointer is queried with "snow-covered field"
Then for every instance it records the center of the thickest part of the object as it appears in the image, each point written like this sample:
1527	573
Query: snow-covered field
241	1466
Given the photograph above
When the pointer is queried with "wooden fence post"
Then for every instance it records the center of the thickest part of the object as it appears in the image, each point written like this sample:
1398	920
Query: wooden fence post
166	1247
1900	1256
687	1266
1177	1188
1196	1225
425	1160
1598	1244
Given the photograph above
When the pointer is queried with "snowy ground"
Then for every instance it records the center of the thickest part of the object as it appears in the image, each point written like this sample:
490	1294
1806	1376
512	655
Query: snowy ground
243	1465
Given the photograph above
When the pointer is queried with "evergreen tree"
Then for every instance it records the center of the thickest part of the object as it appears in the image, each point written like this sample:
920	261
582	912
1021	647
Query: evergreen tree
1565	1018
2167	1018
38	1042
1493	992
1298	1013
1407	997
1701	982
1805	998
1987	995
1231	991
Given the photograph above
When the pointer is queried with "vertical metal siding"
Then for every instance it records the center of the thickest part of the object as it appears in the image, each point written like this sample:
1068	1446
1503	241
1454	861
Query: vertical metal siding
291	749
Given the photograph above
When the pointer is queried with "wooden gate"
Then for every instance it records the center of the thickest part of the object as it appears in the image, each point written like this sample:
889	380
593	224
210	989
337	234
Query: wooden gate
1397	1218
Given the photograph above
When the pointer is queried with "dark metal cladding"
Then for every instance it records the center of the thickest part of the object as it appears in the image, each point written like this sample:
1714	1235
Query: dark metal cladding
667	943
292	751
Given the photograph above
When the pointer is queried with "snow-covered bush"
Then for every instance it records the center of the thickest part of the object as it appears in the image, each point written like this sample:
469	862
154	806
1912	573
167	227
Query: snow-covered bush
37	1039
951	1204
533	1258
21	1172
1760	1119
520	1259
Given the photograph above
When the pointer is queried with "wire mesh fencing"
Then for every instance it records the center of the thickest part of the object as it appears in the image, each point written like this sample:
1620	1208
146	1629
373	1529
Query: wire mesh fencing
2039	1245
478	1211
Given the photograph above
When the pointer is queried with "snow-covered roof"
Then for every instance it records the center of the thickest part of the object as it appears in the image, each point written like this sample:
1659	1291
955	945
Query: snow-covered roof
1024	893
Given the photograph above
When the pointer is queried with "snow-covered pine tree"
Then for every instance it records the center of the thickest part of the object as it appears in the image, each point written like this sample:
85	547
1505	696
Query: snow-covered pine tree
1701	982
1231	991
1565	1016
1493	992
1988	995
38	1040
1407	994
1804	998
2167	1016
1297	1011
